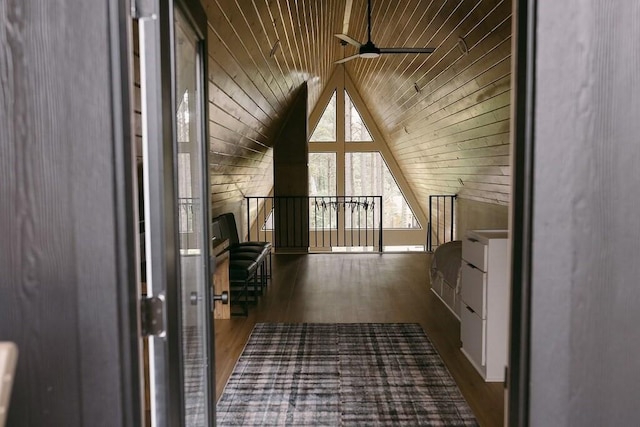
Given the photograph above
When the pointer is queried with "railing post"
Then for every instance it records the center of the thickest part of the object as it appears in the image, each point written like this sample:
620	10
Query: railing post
380	203
438	220
249	218
429	238
451	224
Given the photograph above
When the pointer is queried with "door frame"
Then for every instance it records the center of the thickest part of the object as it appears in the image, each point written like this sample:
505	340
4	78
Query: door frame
161	226
523	132
195	13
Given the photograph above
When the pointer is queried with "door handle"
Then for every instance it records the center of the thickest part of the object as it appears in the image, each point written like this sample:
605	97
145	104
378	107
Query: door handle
223	297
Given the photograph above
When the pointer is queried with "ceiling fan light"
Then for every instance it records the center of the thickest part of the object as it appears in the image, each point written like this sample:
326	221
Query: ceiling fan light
369	55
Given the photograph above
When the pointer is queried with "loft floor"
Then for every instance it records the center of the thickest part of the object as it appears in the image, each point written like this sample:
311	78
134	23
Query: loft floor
339	288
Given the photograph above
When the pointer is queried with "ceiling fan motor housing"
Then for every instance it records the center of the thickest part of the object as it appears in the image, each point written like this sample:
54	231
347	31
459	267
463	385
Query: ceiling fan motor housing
369	50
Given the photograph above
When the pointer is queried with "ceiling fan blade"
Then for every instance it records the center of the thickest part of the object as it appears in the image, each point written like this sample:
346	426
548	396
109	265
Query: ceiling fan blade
348	39
406	50
348	58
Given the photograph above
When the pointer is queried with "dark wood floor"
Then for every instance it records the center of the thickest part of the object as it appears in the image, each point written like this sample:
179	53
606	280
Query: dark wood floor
360	288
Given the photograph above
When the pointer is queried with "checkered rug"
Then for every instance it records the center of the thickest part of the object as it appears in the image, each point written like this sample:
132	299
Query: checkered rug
195	378
312	374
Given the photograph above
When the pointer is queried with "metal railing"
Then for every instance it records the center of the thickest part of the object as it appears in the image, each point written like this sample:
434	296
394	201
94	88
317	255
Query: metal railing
441	225
316	223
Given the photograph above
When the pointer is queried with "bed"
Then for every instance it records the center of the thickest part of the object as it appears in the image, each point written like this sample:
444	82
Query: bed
445	274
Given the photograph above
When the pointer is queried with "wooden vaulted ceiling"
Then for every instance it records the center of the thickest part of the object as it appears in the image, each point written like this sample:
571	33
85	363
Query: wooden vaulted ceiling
445	116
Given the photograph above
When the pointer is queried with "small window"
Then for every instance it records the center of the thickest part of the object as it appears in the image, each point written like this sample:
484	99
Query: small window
354	128
326	129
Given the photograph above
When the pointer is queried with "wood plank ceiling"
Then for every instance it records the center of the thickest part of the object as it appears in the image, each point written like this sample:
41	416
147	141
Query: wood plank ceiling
445	116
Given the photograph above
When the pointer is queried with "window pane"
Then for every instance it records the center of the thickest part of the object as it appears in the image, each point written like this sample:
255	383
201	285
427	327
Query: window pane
182	118
326	129
367	174
322	174
186	201
322	182
354	128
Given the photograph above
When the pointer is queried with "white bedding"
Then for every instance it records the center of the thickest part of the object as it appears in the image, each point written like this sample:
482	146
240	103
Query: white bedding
445	271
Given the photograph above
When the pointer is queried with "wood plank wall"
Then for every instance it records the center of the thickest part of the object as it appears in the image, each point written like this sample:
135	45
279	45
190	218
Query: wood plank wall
261	51
444	115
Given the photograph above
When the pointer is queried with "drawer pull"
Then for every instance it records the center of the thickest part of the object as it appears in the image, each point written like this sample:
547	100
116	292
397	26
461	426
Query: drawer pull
471	239
472	266
470	309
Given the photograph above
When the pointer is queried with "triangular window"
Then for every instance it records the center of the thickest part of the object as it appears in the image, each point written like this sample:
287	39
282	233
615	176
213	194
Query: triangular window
349	159
325	131
355	129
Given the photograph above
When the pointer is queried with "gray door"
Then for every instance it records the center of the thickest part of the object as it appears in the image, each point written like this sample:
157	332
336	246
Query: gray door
193	218
68	289
172	53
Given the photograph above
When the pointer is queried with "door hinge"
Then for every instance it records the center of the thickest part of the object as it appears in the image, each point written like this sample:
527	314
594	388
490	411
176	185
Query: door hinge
152	311
144	9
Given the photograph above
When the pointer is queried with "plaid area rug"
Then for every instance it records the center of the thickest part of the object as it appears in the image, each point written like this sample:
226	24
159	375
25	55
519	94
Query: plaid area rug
312	374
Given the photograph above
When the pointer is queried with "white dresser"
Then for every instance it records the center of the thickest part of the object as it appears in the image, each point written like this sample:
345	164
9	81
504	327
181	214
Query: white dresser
484	291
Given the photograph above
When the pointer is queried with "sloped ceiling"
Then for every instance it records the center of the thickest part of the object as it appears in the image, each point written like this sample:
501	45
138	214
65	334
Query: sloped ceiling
445	116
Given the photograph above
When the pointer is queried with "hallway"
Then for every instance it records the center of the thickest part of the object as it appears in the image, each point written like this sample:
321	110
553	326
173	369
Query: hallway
339	288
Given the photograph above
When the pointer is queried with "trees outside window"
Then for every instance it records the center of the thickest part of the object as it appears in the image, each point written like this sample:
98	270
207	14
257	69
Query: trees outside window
367	174
364	173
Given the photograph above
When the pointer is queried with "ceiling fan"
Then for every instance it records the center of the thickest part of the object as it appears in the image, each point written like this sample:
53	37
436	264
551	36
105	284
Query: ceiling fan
370	50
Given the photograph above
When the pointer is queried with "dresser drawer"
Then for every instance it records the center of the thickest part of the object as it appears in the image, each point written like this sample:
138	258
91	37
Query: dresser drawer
474	252
472	335
473	289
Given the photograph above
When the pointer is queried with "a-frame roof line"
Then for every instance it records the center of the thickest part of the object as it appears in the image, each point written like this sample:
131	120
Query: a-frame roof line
341	80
